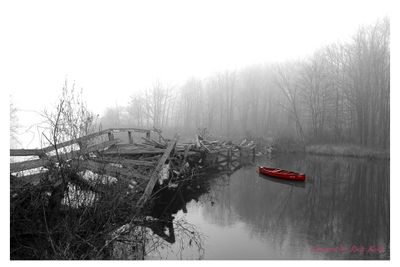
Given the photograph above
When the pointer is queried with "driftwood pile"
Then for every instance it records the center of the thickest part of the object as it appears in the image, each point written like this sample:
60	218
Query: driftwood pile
139	164
93	185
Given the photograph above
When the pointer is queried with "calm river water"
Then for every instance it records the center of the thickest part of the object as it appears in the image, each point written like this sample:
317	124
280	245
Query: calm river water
341	212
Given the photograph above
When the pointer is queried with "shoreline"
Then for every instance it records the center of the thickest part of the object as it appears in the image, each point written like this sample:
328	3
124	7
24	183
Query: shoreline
347	151
338	150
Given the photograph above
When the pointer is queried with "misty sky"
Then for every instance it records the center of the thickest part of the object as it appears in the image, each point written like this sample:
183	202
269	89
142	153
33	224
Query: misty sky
116	48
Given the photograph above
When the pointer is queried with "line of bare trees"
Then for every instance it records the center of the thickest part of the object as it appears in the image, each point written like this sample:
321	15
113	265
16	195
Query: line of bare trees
339	94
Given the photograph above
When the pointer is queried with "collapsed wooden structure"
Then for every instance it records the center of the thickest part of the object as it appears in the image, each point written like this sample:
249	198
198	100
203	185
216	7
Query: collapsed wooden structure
138	163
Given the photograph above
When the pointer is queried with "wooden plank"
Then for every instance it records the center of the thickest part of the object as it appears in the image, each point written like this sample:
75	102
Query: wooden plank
133	152
36	163
103	145
149	141
134	146
152	158
207	149
222	155
160	137
93	135
111	170
74	141
154	175
153	142
26	152
129	129
222	161
27	165
127	162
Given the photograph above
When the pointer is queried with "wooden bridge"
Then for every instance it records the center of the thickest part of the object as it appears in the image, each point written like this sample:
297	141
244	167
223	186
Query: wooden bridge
136	156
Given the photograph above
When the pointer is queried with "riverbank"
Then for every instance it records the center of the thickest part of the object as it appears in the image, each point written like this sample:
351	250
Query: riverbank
342	150
347	151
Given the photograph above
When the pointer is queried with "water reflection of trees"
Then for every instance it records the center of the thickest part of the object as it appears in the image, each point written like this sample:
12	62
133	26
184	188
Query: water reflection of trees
168	235
345	202
162	235
154	238
187	244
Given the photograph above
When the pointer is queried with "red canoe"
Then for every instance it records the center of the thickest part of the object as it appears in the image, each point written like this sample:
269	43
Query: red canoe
278	173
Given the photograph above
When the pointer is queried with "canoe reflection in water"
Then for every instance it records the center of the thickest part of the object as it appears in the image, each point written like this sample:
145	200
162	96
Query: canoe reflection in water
285	182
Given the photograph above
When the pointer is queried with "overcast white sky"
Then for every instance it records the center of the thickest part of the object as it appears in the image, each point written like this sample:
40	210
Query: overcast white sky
113	49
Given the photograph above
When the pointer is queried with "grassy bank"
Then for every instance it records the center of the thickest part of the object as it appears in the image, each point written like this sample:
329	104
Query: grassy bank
347	151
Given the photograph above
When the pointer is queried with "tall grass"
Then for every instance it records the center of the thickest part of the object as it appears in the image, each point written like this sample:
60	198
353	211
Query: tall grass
347	151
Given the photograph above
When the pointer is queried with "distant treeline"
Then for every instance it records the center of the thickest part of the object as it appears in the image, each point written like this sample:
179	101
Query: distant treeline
340	94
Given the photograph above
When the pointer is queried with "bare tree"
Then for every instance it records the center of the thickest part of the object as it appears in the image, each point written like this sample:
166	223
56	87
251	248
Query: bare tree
136	111
70	119
156	105
339	94
315	91
286	81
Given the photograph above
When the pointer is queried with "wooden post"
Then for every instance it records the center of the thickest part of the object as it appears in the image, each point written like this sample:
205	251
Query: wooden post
187	147
130	137
82	147
110	136
229	154
154	176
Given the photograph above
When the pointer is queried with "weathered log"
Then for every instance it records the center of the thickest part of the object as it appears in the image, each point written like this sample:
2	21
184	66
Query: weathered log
133	151
27	165
42	162
137	155
126	162
158	131
151	158
129	129
26	152
154	175
103	145
154	143
202	144
102	168
75	141
150	141
93	135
